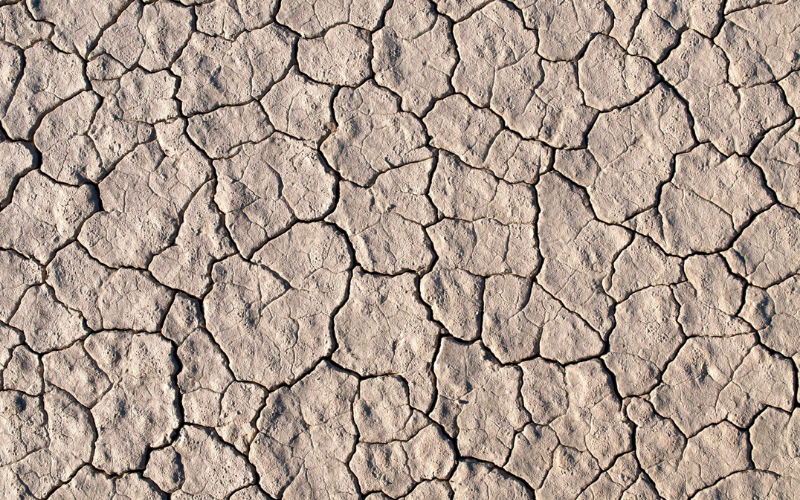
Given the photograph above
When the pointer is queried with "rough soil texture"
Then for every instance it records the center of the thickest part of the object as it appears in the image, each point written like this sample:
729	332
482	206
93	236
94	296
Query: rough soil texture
385	249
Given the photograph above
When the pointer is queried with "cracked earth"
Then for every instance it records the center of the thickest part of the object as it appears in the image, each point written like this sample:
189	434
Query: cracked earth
385	249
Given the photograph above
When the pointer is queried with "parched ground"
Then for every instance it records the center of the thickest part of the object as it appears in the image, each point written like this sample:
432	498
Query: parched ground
384	249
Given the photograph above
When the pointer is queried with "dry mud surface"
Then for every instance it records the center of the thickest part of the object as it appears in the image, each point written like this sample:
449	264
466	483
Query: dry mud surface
384	249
